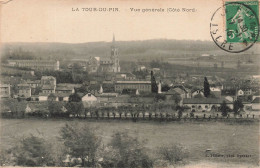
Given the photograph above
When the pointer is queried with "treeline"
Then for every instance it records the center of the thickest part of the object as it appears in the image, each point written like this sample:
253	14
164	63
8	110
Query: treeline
80	145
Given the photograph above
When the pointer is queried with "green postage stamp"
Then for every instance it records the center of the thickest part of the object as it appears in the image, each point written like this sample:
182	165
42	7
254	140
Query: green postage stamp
242	19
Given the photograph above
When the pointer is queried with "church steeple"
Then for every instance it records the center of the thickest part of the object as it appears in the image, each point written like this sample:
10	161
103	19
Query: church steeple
113	41
114	55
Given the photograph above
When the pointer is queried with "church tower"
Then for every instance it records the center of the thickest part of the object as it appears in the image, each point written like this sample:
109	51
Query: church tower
114	56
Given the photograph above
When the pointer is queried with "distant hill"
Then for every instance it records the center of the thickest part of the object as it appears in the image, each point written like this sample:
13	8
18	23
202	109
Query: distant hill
129	50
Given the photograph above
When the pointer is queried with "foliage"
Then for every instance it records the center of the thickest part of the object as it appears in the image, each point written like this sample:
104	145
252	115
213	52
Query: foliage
206	87
141	74
224	108
238	105
81	142
75	108
165	88
173	153
125	151
155	64
55	108
61	76
74	98
180	111
33	151
153	83
159	97
176	98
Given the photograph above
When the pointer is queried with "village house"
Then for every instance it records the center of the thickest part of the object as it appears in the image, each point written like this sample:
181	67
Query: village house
48	89
197	92
43	96
125	76
206	104
34	84
24	91
103	98
48	80
5	90
182	91
64	89
247	91
215	91
256	104
89	100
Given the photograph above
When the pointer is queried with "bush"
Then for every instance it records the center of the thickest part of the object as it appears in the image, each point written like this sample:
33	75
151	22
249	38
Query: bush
173	154
125	151
32	151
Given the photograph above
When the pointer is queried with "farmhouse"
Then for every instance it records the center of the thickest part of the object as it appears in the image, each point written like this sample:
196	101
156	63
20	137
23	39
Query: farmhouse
89	99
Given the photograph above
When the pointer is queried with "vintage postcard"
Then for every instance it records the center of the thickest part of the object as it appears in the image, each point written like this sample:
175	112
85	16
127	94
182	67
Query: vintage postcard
129	84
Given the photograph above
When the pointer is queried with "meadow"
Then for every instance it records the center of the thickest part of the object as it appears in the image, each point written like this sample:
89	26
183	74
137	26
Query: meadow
220	138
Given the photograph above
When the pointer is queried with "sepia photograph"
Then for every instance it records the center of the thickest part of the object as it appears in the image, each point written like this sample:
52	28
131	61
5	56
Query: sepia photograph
129	84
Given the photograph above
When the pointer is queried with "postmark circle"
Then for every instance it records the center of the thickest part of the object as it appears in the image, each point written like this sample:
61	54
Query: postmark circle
234	27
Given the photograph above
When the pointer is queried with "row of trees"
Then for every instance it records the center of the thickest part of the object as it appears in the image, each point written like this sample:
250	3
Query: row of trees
237	107
80	145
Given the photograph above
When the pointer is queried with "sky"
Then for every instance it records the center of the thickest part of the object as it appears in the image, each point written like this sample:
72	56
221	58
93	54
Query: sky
54	20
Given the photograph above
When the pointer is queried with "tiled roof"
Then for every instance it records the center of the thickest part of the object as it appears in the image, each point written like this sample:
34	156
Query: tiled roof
256	100
133	82
48	87
205	101
64	88
47	77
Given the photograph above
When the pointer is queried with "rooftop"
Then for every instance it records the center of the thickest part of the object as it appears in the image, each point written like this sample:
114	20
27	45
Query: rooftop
134	82
256	100
205	101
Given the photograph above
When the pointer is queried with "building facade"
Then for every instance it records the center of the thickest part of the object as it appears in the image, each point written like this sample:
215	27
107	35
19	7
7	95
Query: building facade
36	64
5	90
141	86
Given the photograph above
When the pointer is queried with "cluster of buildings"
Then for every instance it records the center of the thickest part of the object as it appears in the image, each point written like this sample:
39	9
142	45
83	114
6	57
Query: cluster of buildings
128	92
126	88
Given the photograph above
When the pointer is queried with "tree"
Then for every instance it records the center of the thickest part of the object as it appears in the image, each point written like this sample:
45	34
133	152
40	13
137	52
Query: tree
238	105
224	108
75	108
160	97
177	98
173	153
55	108
125	151
180	111
81	142
206	87
33	151
154	86
165	88
74	98
75	105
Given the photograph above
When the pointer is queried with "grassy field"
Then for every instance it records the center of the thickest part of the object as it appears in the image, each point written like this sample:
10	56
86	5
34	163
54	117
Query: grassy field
221	138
